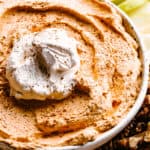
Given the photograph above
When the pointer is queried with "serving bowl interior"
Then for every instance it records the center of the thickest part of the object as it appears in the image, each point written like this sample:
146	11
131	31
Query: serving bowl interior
108	135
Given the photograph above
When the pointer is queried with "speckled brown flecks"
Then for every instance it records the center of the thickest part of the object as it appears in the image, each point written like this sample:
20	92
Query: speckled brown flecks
108	80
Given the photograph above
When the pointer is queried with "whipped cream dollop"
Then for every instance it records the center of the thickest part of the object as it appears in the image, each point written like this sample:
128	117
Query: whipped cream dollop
43	65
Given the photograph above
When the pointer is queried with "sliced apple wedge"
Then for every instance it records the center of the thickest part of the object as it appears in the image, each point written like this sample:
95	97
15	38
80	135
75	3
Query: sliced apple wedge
117	1
130	5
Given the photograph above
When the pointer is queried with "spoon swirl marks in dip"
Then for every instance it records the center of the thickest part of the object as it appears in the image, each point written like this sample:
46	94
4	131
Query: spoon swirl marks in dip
42	65
80	53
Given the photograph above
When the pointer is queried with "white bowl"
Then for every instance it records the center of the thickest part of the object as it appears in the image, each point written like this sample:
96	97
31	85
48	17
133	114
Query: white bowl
108	135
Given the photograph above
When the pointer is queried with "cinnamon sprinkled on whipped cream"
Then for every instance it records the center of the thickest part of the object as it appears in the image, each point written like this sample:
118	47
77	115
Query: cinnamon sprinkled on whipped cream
42	65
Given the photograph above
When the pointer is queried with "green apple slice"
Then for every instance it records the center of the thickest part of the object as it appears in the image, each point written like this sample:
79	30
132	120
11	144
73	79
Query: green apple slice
117	1
141	17
130	5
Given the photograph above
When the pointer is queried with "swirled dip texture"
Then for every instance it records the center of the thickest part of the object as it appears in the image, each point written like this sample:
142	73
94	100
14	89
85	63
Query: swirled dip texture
106	84
43	65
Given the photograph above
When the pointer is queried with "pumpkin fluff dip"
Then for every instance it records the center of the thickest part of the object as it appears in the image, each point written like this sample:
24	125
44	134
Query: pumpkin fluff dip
69	71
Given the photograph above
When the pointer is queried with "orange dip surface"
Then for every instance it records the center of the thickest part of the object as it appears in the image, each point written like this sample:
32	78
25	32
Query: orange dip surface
108	80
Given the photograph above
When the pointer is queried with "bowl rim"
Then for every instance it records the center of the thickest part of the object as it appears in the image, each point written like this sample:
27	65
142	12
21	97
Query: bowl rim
108	135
